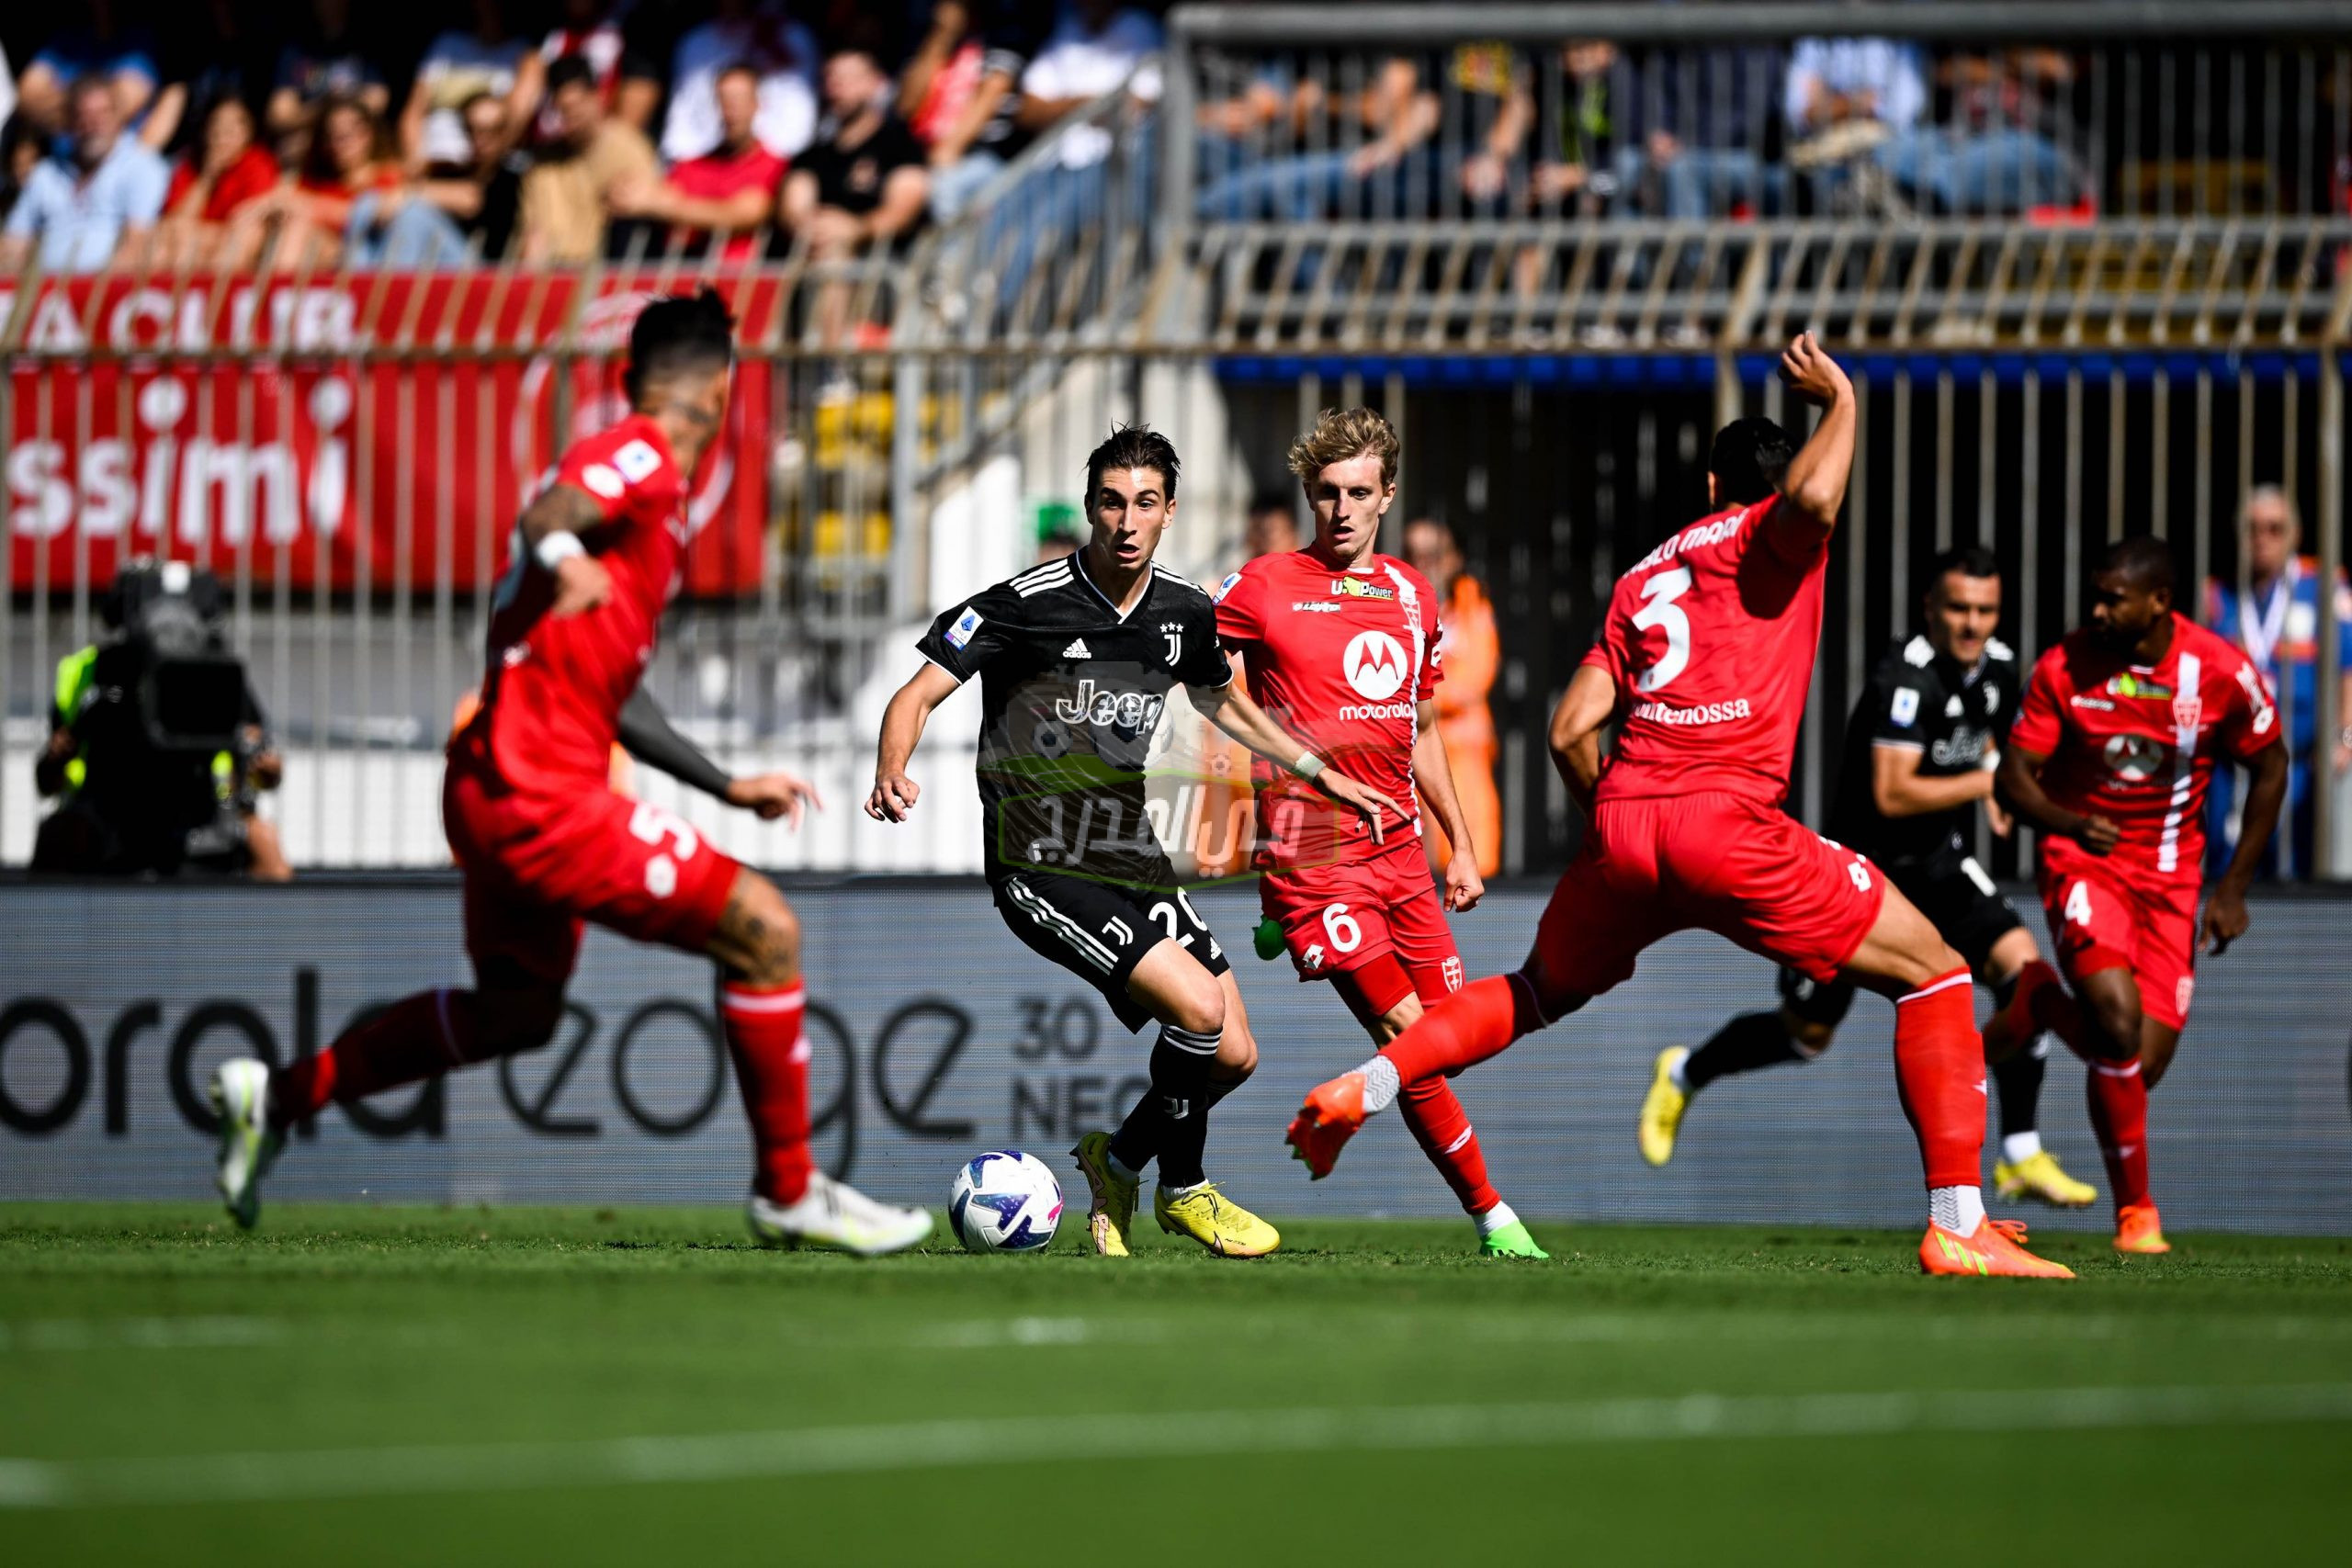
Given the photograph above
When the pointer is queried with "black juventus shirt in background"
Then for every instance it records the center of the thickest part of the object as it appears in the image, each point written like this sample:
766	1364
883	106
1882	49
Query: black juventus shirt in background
1921	699
1070	693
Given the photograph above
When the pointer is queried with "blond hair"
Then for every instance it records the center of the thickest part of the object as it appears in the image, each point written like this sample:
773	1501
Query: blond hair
1341	434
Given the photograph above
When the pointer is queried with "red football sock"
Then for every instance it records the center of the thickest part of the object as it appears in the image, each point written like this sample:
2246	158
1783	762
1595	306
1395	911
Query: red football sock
1939	1071
417	1037
1443	1129
1476	1022
2118	1097
763	1028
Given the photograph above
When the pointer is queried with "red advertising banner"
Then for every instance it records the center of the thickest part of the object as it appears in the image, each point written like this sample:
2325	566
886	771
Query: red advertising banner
369	433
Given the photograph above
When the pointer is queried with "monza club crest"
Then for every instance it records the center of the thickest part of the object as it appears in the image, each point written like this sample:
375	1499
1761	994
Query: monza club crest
2133	757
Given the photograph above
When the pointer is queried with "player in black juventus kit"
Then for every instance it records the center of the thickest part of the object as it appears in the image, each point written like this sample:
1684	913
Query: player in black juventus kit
1076	659
1920	750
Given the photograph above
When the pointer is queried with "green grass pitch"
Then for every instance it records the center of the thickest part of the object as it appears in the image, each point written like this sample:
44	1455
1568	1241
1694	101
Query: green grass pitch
356	1385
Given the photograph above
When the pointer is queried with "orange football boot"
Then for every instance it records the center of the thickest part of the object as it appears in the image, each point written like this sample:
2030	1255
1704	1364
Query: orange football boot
2137	1229
1324	1125
1997	1247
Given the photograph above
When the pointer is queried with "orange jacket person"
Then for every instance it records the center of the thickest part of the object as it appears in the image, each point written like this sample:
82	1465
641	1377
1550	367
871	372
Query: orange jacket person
1473	654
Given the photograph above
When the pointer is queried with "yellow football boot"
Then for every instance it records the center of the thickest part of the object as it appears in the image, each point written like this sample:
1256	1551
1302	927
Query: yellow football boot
1112	1205
2039	1176
1662	1107
1215	1220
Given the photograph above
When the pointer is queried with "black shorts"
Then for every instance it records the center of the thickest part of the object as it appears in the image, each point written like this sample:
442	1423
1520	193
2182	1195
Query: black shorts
1099	930
1959	900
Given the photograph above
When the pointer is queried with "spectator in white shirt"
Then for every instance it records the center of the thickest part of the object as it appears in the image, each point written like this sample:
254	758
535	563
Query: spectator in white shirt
488	59
780	50
1096	47
1839	80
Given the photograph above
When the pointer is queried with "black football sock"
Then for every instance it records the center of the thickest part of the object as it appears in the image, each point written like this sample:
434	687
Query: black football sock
2019	1078
1181	1061
1749	1042
1136	1143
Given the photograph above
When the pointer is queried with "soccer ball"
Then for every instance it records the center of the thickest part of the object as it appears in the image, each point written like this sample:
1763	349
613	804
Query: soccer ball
1005	1202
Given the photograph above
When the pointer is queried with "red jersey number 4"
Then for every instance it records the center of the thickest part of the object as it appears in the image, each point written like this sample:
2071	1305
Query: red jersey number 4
2137	743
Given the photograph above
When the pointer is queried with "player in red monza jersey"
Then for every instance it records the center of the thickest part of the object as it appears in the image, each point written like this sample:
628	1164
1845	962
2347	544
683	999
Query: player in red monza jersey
1339	642
1704	654
544	844
2113	748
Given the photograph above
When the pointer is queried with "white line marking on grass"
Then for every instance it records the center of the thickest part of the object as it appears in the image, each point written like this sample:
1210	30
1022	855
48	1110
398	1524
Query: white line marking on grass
138	1333
1031	1439
993	1333
1060	1332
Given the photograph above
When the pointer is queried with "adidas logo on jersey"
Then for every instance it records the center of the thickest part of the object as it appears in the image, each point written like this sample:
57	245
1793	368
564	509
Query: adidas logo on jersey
1078	650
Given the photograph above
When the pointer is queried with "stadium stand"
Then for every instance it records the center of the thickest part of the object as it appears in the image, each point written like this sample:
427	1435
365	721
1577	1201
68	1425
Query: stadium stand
2080	232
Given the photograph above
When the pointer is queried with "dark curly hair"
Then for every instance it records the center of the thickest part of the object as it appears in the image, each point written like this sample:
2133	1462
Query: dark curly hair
680	333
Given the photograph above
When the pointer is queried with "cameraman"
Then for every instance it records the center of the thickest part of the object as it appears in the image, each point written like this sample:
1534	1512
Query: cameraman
156	741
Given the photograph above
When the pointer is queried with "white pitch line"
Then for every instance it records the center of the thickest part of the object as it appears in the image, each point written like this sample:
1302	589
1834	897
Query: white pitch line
1068	1331
138	1333
1033	1439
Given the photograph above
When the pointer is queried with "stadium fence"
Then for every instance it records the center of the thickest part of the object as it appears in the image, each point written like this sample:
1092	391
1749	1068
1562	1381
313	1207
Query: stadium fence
348	448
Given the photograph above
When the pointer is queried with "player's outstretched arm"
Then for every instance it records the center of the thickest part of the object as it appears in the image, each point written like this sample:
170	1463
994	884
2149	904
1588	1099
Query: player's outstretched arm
1575	736
1898	789
2225	914
2017	786
647	735
1814	486
551	527
894	793
1433	777
1230	709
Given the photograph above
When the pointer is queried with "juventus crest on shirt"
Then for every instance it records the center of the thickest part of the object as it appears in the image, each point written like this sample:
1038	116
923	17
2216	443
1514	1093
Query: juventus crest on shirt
1071	692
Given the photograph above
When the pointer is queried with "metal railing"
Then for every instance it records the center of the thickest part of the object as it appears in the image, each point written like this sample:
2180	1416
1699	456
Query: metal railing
349	448
1373	207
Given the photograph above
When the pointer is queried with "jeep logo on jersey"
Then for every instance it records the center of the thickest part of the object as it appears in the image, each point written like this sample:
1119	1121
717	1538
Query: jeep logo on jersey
1130	711
2134	756
1374	665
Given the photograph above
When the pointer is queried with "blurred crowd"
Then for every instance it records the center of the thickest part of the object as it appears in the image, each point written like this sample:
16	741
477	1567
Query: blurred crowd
1847	127
214	134
238	133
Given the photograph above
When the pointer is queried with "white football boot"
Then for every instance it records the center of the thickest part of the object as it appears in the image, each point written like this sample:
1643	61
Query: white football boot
835	1215
249	1145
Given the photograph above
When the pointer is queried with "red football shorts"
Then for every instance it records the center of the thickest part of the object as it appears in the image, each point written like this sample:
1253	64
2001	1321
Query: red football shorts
537	867
1338	918
1716	862
2105	916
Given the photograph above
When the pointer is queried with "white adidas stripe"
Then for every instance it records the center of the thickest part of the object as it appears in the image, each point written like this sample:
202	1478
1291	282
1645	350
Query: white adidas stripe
1050	576
1946	984
733	999
1061	925
672	1459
